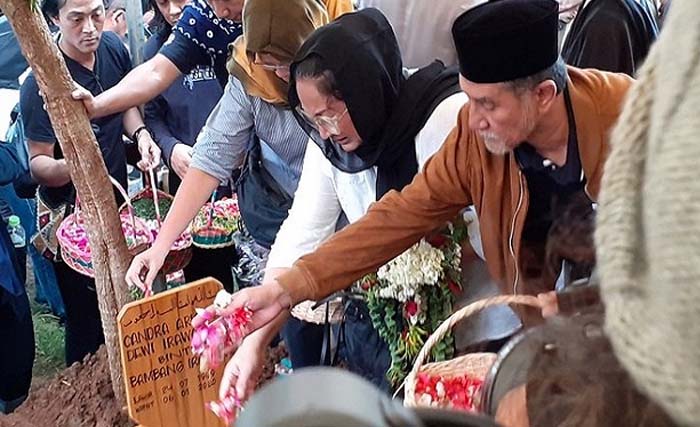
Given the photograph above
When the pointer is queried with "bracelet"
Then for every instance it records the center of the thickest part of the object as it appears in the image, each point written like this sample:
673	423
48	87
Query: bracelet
135	136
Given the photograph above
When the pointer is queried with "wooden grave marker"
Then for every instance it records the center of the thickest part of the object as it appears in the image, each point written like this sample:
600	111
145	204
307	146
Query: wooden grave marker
163	384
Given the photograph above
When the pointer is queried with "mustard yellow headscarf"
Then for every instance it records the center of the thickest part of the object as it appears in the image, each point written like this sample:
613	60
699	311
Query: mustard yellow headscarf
277	28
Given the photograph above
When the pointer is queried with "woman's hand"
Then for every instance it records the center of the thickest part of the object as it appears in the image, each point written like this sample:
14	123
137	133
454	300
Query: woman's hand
266	301
243	371
144	268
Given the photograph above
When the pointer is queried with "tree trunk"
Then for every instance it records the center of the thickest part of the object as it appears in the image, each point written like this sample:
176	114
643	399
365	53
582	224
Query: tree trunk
110	256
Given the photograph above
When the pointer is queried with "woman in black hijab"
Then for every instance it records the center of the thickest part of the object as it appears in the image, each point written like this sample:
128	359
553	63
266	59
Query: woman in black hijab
355	61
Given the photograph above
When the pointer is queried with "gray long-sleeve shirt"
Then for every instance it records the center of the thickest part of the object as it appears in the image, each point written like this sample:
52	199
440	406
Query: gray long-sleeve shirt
238	117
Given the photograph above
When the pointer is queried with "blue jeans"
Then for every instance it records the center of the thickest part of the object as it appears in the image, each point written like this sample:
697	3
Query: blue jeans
44	275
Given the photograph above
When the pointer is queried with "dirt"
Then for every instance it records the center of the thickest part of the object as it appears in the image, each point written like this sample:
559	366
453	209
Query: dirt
273	357
79	396
82	396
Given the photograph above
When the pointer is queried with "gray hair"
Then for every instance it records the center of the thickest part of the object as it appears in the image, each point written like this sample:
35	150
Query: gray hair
556	72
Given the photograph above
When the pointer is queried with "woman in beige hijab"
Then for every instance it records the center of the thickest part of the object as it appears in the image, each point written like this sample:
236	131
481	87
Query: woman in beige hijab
251	117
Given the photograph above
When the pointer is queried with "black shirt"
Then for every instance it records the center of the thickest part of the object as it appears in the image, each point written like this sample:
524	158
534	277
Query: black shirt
172	117
201	38
112	63
550	187
187	56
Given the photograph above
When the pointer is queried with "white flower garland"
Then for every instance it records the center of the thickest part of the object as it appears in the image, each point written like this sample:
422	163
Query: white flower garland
420	265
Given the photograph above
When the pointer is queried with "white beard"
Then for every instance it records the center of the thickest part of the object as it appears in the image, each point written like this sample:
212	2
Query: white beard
494	144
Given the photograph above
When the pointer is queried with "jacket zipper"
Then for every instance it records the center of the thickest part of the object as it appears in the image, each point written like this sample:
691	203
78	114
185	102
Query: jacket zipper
512	233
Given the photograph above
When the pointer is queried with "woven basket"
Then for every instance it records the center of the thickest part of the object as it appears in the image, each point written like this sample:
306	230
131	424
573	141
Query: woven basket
80	259
209	236
147	193
475	365
305	311
181	252
212	238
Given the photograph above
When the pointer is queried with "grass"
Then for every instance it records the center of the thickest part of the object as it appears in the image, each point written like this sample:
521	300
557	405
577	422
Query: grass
50	349
48	336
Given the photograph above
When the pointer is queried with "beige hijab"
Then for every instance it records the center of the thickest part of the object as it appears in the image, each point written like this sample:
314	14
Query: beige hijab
277	28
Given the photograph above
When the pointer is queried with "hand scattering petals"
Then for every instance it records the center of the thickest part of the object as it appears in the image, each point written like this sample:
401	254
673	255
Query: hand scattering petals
216	334
227	408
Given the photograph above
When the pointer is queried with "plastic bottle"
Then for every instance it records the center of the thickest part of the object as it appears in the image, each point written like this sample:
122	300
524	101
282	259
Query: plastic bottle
17	235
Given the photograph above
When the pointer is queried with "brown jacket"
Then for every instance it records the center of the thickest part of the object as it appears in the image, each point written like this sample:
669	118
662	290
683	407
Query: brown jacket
462	173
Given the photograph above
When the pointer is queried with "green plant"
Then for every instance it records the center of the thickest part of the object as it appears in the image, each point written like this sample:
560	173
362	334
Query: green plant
409	297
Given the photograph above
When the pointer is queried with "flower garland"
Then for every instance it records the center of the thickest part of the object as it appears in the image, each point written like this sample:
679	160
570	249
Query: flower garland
411	295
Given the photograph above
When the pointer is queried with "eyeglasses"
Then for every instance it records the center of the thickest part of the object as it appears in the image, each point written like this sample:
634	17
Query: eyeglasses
270	67
330	124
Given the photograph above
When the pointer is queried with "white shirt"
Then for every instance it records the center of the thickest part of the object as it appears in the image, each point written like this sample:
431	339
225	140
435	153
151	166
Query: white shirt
423	27
325	192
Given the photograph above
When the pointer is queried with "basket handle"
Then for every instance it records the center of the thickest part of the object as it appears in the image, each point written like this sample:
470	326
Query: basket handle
127	199
210	219
459	315
121	190
152	182
124	194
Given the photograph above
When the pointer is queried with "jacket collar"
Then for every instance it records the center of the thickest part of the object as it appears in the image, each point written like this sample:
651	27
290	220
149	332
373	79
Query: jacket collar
591	131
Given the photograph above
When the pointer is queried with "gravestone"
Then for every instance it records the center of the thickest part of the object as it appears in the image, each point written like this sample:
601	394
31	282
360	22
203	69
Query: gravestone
163	384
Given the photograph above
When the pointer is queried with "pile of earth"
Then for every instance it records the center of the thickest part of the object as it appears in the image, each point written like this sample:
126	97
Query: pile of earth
82	396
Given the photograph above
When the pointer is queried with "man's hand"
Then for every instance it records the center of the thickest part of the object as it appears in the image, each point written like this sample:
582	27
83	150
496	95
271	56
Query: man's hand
180	159
89	101
150	153
549	303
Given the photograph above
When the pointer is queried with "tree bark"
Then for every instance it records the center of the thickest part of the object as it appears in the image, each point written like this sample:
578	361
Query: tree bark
71	124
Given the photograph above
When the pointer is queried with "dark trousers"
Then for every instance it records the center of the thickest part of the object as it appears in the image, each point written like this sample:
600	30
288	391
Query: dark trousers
17	351
83	324
361	346
304	341
216	263
363	349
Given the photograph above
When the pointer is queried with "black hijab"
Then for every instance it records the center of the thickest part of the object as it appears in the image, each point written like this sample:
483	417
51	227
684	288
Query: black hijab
388	110
611	35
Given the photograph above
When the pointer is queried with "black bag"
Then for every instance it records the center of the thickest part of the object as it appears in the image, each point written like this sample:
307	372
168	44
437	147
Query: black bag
263	203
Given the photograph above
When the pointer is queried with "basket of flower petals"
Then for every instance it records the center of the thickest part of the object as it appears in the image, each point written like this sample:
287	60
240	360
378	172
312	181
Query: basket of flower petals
214	225
455	383
73	237
152	206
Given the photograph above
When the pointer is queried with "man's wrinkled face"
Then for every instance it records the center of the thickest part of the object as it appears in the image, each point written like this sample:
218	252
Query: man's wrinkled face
502	118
